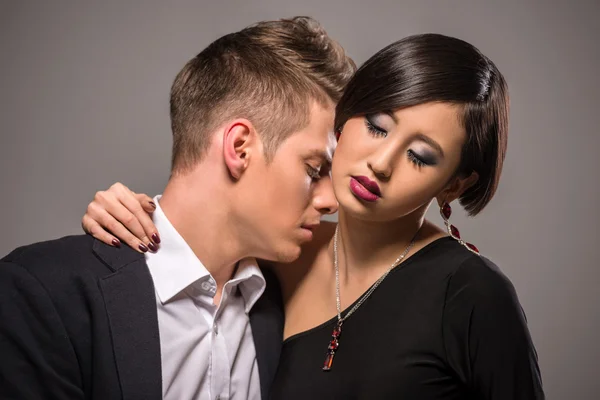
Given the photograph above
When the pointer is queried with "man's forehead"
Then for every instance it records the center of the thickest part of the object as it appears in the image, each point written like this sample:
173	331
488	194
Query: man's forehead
321	149
317	142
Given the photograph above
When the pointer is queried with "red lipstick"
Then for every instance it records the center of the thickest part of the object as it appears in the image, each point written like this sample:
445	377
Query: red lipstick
364	188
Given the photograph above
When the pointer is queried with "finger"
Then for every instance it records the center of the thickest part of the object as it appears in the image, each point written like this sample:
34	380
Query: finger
123	207
132	203
91	227
149	206
119	188
146	202
108	223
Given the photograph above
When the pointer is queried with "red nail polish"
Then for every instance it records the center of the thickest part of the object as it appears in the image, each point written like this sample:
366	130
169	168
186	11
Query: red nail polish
143	247
116	243
152	246
156	238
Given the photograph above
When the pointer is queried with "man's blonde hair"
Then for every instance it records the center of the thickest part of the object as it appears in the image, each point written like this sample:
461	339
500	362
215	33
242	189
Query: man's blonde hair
268	73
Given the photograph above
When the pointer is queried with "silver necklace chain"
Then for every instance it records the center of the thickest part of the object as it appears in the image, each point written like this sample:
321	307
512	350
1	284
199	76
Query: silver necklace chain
372	289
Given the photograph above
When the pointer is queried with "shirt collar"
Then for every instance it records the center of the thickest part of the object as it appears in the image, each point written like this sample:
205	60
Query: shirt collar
250	280
175	266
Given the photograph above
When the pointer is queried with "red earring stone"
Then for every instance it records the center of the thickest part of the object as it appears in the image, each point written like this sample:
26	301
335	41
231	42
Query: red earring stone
473	248
446	212
454	231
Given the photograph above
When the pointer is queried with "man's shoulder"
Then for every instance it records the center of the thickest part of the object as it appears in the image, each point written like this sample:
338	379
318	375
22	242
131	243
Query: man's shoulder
58	260
63	245
65	250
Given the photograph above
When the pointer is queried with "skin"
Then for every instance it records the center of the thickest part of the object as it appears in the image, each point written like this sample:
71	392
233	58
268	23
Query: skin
413	155
373	234
258	208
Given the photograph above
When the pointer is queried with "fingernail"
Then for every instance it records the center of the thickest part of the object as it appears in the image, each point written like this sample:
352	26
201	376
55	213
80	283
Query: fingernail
152	204
152	246
143	247
116	243
156	238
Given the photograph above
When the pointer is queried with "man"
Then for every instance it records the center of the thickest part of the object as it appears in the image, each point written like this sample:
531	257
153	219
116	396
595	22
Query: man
252	118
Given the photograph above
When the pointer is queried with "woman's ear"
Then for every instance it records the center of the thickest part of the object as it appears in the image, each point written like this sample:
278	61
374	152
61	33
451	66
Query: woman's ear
456	188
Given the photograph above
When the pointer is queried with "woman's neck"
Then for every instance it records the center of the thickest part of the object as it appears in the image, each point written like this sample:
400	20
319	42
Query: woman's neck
367	249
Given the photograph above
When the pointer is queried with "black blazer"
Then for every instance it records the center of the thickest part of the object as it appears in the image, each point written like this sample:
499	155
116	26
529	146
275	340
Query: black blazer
78	321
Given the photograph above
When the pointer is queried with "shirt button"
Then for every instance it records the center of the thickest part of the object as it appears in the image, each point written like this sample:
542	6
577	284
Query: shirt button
215	329
206	286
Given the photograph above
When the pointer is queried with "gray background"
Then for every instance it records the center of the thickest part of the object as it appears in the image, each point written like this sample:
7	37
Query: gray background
84	103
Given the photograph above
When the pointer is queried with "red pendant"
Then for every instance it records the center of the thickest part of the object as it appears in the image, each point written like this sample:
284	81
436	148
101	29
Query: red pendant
332	347
328	362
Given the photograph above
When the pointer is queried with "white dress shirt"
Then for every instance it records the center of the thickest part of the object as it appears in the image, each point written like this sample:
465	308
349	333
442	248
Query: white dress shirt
207	351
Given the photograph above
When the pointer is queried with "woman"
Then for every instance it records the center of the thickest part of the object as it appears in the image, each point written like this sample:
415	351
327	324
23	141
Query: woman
385	304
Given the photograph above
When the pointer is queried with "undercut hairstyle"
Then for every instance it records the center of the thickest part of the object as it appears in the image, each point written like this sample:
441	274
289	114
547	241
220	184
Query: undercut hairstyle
436	68
269	73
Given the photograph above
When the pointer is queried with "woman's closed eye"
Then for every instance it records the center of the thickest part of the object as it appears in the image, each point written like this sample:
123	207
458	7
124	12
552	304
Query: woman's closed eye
421	160
373	128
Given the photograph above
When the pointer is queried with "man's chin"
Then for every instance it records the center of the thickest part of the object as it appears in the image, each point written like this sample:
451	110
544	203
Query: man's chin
289	253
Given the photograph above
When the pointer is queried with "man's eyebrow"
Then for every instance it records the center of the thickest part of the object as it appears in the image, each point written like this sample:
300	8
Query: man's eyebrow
319	154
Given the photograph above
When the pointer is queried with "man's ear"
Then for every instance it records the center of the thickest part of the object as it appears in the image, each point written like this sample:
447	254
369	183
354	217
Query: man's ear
239	142
456	187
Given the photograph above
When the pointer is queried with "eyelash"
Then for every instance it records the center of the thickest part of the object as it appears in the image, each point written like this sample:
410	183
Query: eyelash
415	159
313	173
376	131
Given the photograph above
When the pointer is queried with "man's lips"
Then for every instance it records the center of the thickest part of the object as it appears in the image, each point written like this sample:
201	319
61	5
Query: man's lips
310	227
308	230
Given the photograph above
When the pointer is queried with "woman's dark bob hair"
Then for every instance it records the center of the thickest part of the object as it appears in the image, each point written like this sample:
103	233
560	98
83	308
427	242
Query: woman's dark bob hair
437	68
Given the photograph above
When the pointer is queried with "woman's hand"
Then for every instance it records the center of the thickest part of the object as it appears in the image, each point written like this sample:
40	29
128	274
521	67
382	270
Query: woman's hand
118	214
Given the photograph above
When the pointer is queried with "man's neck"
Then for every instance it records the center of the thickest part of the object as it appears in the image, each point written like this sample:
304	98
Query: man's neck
202	221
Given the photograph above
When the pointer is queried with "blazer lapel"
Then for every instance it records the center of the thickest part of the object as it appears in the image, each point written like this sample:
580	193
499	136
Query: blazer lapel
266	321
130	302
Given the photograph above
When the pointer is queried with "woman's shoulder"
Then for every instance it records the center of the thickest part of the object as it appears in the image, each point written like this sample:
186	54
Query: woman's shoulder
480	279
463	269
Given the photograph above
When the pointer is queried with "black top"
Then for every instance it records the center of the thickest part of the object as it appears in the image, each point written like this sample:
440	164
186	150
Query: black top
445	324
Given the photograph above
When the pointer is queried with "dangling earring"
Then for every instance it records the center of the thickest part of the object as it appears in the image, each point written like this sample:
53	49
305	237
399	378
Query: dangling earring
446	212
